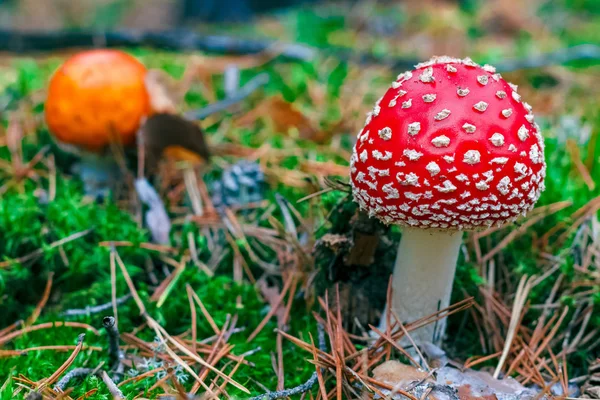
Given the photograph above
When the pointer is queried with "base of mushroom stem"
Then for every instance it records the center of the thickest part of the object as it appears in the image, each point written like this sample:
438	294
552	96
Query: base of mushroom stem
422	280
99	174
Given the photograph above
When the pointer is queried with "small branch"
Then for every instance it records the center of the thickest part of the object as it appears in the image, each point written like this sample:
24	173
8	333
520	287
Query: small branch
112	387
23	42
95	309
303	388
245	91
558	57
114	353
69	376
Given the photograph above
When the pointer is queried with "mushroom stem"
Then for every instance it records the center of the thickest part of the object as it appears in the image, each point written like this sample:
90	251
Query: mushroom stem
98	173
423	277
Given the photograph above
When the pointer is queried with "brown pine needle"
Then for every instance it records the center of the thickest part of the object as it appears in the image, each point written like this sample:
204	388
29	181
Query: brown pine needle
206	314
273	309
38	309
189	291
54	377
46	325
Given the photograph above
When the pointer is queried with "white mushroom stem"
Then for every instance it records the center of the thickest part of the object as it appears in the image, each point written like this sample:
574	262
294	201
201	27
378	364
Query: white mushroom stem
423	277
98	173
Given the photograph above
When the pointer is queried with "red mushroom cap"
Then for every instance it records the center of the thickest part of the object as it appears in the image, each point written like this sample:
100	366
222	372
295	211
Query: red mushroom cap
449	146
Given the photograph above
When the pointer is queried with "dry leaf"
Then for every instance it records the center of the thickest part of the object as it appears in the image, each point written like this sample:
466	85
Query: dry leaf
165	92
284	116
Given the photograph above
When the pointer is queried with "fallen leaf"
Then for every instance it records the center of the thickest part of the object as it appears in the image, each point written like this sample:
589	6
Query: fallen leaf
165	92
284	116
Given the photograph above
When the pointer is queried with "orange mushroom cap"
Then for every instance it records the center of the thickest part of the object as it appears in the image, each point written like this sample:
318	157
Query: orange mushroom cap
96	96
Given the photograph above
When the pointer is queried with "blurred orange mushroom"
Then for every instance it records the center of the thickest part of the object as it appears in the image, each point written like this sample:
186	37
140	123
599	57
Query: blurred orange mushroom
96	97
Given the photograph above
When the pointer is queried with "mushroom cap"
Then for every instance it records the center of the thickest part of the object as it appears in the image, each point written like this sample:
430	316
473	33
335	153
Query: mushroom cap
451	146
95	96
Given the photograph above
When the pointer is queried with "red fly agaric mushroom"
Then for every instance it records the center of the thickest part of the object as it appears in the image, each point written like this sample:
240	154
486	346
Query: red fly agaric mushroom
450	147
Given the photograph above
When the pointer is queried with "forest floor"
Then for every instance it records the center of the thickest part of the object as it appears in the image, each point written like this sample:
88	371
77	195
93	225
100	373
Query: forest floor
236	297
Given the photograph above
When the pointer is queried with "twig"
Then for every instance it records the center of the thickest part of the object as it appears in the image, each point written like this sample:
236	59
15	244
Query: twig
561	56
95	309
112	387
303	388
245	91
23	42
72	374
114	353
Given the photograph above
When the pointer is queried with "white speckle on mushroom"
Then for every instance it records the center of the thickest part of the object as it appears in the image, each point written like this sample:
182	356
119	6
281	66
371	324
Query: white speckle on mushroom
501	94
462	92
363	138
376	171
371	185
469	128
481	106
411	179
414	128
523	133
489	68
525	186
396	84
404	207
380	156
441	141
512	148
520	168
516	96
468	62
433	168
529	118
507	112
400	164
392	193
407	103
499	160
450	68
412	155
427	76
364	156
405	75
442	115
376	110
535	155
482	185
497	77
393	101
472	157
482	79
489	175
465	194
369	118
446	187
451	170
513	86
497	139
462	178
413	196
504	185
449	159
523	153
428	98
385	133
